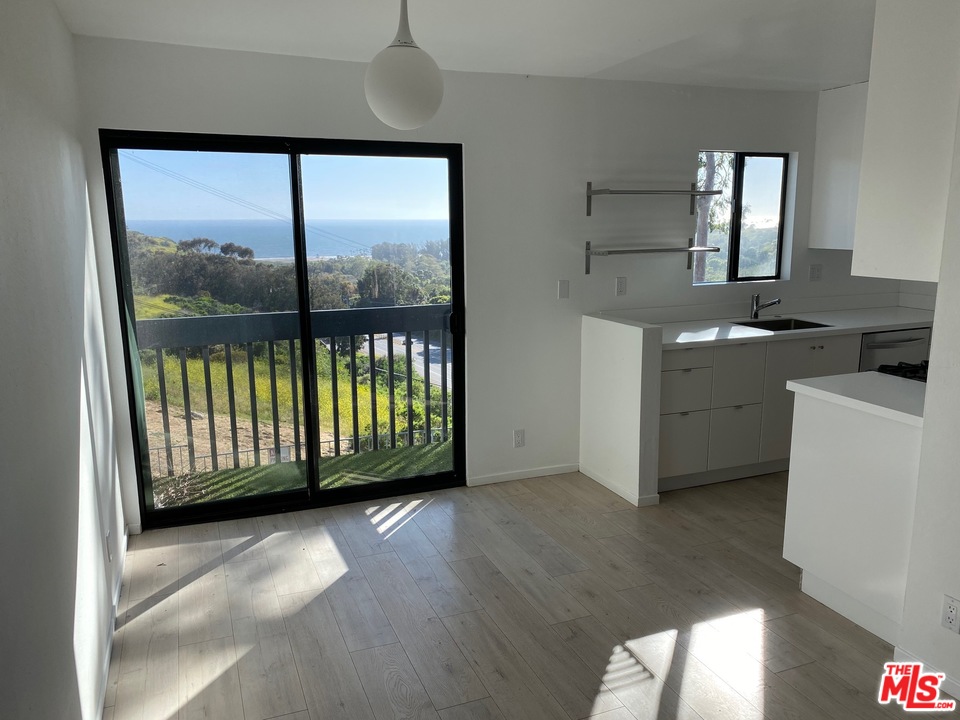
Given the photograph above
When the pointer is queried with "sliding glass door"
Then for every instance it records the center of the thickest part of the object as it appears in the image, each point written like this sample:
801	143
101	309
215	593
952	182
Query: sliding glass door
289	309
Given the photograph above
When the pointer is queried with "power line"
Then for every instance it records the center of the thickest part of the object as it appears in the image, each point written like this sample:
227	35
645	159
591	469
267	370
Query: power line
248	204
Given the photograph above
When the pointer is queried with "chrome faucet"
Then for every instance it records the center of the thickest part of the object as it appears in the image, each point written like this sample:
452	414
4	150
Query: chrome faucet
756	306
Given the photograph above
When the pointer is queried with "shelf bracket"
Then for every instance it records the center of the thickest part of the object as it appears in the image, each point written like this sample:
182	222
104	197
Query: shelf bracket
690	249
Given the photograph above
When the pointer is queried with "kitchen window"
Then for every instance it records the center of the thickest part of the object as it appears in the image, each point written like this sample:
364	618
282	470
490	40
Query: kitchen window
745	220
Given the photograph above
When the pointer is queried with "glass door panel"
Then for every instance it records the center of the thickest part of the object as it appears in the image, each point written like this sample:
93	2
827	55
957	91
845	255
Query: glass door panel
378	236
210	287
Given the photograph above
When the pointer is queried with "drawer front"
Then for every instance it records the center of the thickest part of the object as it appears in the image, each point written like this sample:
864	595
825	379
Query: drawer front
683	443
738	374
687	358
734	436
685	390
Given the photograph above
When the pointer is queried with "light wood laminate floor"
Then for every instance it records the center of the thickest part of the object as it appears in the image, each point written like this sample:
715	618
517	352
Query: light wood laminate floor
544	598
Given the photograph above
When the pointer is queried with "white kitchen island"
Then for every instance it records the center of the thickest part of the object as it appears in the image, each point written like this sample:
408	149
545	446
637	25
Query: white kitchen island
850	499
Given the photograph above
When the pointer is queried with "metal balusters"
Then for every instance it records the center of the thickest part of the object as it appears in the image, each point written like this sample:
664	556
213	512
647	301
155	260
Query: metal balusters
427	435
164	411
373	393
228	355
443	385
274	404
211	422
409	357
392	392
353	394
294	396
252	375
335	395
188	418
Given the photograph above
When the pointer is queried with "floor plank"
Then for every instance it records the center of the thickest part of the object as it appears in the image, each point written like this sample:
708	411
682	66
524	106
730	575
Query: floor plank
485	709
328	678
549	594
618	571
269	682
577	687
209	684
359	615
290	564
392	685
510	681
533	582
444	534
644	694
439	662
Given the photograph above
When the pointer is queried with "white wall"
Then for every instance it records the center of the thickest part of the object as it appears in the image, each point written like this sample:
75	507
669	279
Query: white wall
934	570
58	479
530	146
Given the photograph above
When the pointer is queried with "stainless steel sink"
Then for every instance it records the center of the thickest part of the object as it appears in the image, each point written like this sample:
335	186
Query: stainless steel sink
781	324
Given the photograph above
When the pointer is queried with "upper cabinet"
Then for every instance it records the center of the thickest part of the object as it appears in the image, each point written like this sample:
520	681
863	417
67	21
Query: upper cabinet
908	140
836	166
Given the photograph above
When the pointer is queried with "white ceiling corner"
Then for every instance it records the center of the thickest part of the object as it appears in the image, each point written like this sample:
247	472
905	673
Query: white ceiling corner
761	44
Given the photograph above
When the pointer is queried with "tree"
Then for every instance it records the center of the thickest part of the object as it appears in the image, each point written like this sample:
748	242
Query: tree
197	245
715	172
386	285
399	254
238	251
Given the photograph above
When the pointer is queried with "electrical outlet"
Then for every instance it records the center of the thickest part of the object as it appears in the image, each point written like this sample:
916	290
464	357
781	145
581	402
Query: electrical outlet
816	272
519	440
563	289
950	618
621	286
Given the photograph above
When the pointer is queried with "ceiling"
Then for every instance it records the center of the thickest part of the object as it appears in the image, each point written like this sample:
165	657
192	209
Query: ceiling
760	44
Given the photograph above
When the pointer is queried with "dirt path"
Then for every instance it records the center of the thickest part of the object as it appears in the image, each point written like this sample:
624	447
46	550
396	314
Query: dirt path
201	440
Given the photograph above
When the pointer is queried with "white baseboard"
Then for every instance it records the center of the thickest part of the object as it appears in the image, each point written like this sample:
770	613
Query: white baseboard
950	685
631	497
134	529
836	599
521	475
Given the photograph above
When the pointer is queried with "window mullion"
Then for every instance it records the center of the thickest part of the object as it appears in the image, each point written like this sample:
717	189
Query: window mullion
733	255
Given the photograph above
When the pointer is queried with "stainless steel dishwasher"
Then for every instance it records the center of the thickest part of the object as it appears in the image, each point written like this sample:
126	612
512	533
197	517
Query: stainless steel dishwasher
893	347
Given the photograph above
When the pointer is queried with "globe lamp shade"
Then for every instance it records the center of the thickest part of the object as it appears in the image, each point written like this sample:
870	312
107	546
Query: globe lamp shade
403	86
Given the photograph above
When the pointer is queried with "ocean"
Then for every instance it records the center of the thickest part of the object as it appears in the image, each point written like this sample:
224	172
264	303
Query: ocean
274	238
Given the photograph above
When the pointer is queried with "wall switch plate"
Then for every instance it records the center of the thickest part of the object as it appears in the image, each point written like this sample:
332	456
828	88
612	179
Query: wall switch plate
816	272
563	289
621	286
950	617
519	439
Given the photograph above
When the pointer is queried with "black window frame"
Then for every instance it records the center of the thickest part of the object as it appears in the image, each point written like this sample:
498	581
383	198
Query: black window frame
113	140
736	217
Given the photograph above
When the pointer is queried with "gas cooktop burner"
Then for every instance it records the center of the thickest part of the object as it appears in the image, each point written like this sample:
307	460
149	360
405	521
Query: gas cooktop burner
906	370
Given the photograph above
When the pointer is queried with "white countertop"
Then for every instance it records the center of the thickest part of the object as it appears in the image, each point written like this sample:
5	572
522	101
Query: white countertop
840	322
872	392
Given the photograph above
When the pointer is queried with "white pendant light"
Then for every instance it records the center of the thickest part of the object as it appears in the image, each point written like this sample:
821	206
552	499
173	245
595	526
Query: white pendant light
403	84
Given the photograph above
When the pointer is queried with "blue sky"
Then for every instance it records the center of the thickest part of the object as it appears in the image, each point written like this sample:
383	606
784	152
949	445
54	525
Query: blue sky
175	185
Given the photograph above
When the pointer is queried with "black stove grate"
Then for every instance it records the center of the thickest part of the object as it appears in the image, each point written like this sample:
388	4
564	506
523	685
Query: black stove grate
911	371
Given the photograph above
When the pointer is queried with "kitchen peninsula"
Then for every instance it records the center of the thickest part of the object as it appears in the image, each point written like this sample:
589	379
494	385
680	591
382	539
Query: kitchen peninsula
850	500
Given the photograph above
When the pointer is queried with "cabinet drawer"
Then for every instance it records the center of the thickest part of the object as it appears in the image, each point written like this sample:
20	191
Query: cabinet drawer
734	436
683	443
685	390
738	374
687	358
794	360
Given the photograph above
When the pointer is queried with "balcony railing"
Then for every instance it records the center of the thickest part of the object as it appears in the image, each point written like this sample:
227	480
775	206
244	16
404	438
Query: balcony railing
404	346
